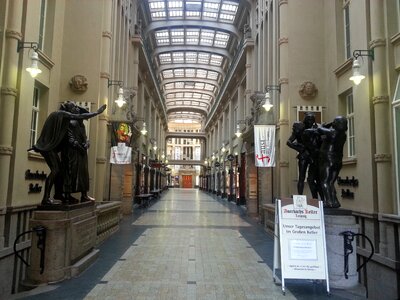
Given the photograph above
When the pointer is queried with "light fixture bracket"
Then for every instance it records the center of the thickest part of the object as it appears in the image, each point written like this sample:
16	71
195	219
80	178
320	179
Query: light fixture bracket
370	53
30	45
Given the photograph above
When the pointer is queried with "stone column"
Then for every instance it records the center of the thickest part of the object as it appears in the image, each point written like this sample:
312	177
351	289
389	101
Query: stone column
380	100
284	104
102	130
8	96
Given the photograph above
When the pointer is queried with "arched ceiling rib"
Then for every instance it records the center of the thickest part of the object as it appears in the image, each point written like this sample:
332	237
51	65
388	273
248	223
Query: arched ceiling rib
191	48
191	79
193	90
186	109
192	43
191	66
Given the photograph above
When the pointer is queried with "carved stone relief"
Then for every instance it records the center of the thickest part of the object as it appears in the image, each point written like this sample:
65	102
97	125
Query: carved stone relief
78	84
308	90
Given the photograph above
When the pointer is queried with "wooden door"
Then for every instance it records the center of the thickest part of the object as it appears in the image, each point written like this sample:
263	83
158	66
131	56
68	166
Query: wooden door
187	181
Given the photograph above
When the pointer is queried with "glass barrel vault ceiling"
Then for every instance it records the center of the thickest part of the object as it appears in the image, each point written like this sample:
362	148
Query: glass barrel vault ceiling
192	43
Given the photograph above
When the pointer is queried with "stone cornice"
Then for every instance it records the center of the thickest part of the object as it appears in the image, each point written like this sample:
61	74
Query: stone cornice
380	100
343	68
383	157
395	39
13	34
9	91
6	150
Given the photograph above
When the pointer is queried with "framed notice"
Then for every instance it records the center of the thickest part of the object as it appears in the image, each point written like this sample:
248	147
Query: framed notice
300	240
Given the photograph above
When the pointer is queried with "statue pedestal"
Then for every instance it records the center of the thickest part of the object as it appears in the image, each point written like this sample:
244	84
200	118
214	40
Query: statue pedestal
337	221
71	232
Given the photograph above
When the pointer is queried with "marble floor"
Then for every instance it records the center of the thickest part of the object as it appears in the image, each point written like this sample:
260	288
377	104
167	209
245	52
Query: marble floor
187	245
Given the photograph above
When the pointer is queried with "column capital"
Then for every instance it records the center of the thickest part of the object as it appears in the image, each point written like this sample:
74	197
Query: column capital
380	100
105	75
13	34
282	2
6	150
382	157
283	122
9	91
107	34
283	164
283	40
283	80
377	43
101	160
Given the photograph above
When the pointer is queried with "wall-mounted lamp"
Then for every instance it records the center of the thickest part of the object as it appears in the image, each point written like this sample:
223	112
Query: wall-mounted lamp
120	100
206	161
154	143
238	132
213	157
163	155
357	76
223	149
144	130
33	69
267	104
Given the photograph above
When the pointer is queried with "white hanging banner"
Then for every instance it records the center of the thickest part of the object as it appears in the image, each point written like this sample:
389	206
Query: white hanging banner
121	154
264	145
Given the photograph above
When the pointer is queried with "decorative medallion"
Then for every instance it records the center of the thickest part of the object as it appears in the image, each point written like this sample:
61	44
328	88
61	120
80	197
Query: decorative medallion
308	90
78	84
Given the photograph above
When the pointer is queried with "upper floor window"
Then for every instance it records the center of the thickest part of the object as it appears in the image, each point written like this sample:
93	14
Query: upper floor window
35	117
42	23
351	131
346	20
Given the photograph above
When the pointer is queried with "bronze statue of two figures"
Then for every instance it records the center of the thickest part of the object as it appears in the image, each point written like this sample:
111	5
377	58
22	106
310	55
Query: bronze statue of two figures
63	144
320	151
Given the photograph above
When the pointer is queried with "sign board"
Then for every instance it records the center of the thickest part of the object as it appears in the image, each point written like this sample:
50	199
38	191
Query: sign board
301	239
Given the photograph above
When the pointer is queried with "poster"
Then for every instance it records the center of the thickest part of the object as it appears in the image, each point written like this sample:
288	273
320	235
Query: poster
121	150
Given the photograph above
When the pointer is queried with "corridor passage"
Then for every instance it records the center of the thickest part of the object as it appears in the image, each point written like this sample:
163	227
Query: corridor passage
187	245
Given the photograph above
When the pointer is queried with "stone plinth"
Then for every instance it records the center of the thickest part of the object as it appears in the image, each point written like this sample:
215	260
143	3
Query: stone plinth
71	232
336	222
